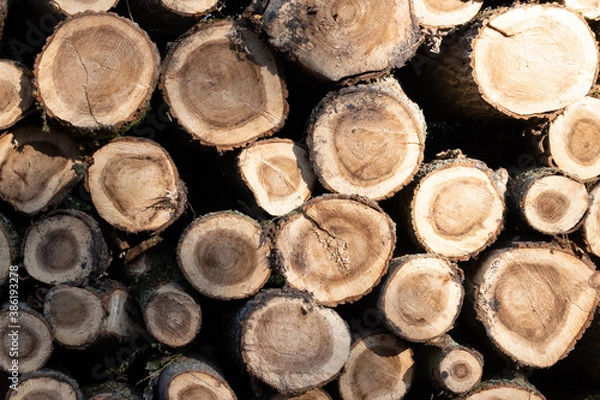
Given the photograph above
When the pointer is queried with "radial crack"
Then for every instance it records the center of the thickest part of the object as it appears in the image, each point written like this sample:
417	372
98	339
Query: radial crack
85	85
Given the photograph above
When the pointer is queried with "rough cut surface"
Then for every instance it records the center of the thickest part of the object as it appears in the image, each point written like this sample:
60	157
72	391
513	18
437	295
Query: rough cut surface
172	316
36	168
35	339
494	390
224	86
336	248
291	344
72	7
345	38
75	315
65	247
524	46
16	93
224	256
135	185
535	301
46	385
527	61
192	378
574	139
422	296
97	71
458	207
380	366
548	201
367	140
278	173
445	13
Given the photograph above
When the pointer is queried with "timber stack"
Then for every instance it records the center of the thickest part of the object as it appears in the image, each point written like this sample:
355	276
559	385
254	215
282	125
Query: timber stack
299	199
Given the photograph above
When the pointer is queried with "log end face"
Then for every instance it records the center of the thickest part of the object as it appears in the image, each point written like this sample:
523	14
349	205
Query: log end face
459	371
224	256
422	297
345	38
380	366
517	50
172	316
224	86
535	302
96	72
337	248
555	204
458	210
292	345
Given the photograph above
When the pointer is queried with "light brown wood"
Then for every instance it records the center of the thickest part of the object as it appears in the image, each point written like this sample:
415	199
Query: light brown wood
315	394
172	316
37	168
290	343
83	316
458	207
337	40
445	13
16	93
135	185
34	343
46	385
548	201
367	140
225	255
72	7
573	139
65	247
517	62
504	389
224	86
590	9
535	300
171	17
380	366
193	378
336	248
454	368
421	297
278	173
591	223
75	314
97	73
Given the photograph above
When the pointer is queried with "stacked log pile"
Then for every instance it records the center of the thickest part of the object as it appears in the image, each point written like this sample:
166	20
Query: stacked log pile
299	199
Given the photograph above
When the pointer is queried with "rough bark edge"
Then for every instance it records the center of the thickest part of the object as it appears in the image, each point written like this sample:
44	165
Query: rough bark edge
568	248
263	237
53	374
279	263
236	41
517	383
451	159
545	115
518	186
395	265
178	206
101	132
284	141
379	85
260	7
260	301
